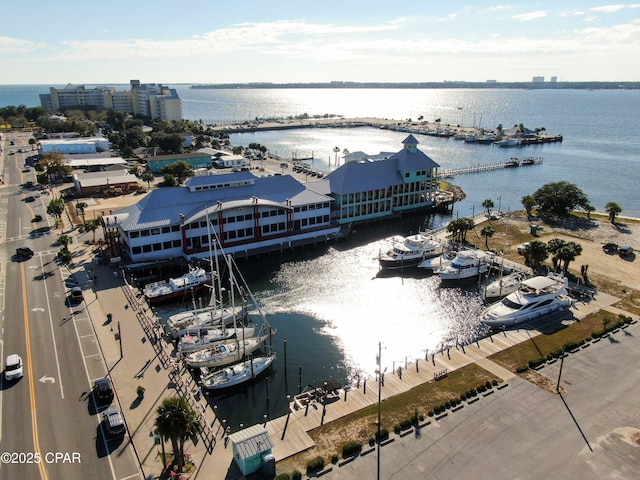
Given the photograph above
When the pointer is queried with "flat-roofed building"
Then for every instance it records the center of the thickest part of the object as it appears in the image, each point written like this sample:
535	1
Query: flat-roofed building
155	101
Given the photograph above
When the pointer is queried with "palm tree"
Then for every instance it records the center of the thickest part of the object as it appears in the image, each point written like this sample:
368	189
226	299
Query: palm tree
568	253
55	207
553	246
613	209
488	204
177	422
487	232
589	209
80	206
148	177
528	202
459	227
535	253
92	225
336	149
345	152
64	240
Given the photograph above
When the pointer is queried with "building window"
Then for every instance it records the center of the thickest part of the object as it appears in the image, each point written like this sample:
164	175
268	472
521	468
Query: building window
157	247
166	229
146	248
135	234
166	245
144	233
136	250
155	231
175	228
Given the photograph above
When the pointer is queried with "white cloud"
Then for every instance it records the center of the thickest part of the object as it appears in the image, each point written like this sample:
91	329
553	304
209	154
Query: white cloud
18	45
526	17
608	8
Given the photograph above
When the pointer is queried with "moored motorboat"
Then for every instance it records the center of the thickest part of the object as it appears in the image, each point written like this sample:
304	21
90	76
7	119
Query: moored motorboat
237	374
512	162
466	264
440	261
504	285
195	279
410	251
537	296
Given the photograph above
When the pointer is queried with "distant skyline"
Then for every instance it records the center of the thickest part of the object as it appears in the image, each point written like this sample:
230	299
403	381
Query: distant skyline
69	41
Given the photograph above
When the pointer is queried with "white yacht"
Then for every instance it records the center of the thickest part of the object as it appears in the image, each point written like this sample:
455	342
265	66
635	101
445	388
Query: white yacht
536	297
504	285
440	261
467	264
410	251
195	279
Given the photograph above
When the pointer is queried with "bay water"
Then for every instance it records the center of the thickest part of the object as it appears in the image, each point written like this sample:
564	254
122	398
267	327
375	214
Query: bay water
330	303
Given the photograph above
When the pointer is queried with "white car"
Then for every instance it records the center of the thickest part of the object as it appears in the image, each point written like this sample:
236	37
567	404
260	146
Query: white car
13	367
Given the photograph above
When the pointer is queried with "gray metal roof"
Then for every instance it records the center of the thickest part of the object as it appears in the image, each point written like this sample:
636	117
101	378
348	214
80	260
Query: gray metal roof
251	441
163	206
377	171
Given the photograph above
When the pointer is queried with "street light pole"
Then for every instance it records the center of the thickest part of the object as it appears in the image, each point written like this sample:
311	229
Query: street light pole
379	401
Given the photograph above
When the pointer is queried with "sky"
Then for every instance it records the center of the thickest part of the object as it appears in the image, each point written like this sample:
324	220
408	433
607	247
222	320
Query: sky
210	41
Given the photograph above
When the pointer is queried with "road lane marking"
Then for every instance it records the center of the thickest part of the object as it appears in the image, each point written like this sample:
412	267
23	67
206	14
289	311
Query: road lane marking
53	335
32	390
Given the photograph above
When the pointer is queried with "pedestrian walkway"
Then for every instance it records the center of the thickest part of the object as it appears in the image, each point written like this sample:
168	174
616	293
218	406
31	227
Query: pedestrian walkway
137	354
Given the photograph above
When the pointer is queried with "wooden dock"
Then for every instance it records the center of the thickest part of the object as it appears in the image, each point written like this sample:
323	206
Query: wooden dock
488	166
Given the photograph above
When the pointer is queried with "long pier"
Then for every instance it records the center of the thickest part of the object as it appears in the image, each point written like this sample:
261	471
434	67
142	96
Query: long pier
423	127
490	166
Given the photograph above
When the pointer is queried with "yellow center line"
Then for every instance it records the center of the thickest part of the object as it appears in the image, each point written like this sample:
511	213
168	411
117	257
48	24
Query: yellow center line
32	392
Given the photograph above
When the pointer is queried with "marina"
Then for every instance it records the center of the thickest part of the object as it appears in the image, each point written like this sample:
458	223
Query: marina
290	298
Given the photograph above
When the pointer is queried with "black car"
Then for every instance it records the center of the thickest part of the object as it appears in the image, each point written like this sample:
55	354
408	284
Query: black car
610	247
37	218
30	198
103	390
24	252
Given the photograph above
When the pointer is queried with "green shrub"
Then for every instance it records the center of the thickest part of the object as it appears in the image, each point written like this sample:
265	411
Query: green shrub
372	442
488	385
494	382
597	334
334	457
447	405
431	413
384	435
283	476
315	464
350	449
522	369
536	363
396	428
296	475
405	424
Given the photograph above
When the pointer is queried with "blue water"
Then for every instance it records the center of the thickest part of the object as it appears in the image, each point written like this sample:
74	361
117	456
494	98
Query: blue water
329	303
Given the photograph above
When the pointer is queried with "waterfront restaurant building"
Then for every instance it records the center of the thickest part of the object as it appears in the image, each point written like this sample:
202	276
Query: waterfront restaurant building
375	187
249	215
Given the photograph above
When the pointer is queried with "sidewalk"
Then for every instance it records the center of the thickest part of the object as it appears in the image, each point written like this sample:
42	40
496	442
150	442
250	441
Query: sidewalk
140	357
146	360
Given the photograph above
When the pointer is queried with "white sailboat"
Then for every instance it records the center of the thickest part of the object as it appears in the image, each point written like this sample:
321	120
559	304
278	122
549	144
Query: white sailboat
208	338
237	374
224	353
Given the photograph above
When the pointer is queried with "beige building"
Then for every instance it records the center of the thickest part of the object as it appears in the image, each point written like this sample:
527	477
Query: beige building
155	101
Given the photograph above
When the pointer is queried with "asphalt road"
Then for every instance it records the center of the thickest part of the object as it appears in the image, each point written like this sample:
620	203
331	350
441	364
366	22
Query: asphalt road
50	422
